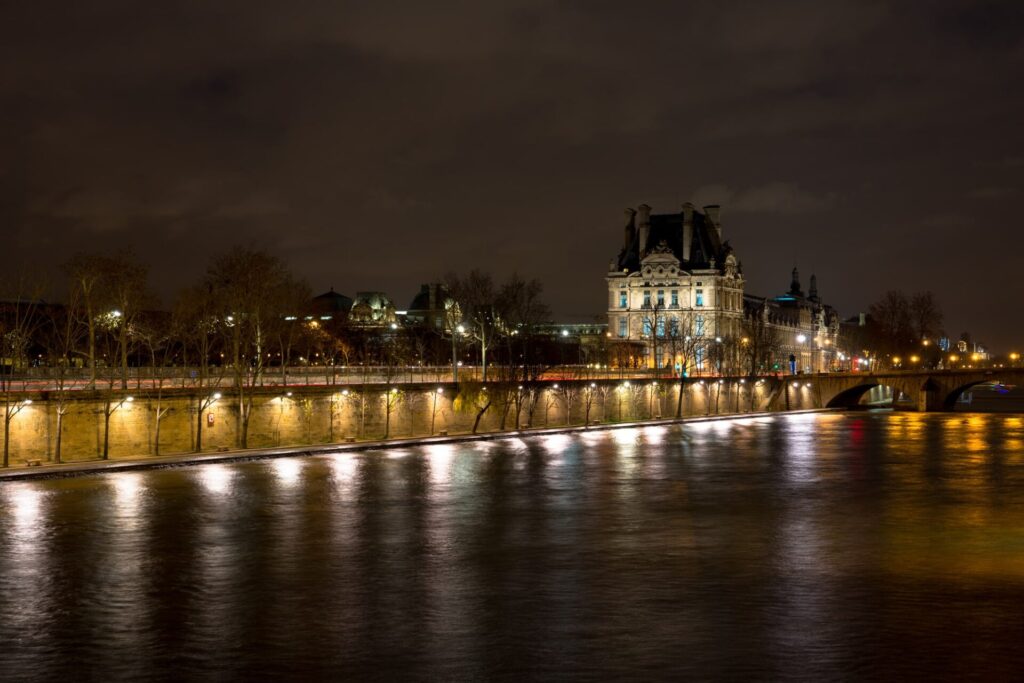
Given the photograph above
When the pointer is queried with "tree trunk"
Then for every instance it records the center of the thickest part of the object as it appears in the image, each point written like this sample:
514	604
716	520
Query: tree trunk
60	429
124	352
199	426
7	438
479	415
106	431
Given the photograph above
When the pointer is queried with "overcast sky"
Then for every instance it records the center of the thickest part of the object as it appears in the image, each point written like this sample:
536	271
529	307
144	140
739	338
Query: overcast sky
377	145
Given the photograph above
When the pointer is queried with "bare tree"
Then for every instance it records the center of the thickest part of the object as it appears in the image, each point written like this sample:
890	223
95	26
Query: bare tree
760	343
244	283
477	299
197	322
124	285
62	333
892	322
522	310
85	272
925	315
19	322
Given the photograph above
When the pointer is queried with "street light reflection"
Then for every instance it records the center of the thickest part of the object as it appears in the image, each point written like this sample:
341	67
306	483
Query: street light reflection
25	503
439	460
127	494
288	471
216	478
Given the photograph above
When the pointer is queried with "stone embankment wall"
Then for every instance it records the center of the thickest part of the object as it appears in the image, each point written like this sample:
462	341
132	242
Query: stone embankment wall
316	415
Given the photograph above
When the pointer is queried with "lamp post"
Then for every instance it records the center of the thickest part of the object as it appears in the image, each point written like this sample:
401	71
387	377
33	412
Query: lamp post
433	409
459	329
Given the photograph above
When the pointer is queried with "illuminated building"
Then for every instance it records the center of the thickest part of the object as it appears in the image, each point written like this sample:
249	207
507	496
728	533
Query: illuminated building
677	282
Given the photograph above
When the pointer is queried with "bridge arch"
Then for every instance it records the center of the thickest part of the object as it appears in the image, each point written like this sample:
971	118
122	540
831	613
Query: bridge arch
851	397
949	401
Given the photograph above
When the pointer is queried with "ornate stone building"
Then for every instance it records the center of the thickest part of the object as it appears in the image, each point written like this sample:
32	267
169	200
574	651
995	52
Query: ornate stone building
676	300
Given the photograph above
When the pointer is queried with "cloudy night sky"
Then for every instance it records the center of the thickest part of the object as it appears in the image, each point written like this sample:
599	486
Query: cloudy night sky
377	145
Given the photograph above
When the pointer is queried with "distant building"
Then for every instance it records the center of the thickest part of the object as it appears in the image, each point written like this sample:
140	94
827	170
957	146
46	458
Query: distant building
427	308
372	309
676	279
332	304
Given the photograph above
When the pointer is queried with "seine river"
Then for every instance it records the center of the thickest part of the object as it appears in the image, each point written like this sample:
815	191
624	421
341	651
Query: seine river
814	547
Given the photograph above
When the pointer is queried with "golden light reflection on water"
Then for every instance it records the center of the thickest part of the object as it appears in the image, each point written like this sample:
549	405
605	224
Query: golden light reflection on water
288	471
216	478
439	459
25	503
556	444
654	436
128	489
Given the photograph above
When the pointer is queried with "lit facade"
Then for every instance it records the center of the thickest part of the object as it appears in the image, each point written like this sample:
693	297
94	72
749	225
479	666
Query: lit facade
676	300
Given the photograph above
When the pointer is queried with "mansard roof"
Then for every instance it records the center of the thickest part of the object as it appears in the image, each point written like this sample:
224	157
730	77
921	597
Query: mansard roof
705	246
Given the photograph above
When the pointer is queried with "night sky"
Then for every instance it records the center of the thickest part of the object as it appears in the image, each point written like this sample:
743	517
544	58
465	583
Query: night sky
377	145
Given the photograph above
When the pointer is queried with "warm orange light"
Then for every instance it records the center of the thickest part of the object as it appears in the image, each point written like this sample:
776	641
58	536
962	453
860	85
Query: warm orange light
896	359
975	357
954	358
1014	356
914	359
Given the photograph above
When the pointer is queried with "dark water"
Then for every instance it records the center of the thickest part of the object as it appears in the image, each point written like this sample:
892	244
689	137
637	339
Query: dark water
813	547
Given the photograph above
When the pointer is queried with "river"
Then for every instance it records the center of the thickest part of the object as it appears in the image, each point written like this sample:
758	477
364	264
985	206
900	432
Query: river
806	547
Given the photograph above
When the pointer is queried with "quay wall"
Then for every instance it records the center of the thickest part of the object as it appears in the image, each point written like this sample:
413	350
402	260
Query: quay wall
310	415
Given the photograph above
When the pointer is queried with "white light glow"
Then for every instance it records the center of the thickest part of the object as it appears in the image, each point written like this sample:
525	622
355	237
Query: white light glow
216	478
288	471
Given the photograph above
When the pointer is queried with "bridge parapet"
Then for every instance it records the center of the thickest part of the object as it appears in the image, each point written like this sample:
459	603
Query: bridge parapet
935	390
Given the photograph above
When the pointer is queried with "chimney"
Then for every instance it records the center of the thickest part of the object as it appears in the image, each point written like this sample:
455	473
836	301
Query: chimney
645	227
630	227
812	294
712	213
687	230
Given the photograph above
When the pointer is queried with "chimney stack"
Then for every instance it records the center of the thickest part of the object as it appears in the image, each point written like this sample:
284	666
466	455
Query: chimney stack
712	213
687	230
645	227
630	227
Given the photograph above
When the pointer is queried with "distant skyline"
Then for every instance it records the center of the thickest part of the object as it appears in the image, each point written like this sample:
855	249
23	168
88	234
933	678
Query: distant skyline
376	146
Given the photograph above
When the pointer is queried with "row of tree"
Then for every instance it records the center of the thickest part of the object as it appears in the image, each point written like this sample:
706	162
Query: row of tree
247	314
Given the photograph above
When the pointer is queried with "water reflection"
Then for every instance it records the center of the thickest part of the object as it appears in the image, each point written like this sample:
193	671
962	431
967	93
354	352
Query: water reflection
814	547
216	478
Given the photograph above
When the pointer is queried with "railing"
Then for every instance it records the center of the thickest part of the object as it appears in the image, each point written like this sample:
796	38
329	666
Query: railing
44	379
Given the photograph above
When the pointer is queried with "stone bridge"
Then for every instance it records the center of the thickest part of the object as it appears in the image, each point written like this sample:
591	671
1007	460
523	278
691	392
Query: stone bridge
929	390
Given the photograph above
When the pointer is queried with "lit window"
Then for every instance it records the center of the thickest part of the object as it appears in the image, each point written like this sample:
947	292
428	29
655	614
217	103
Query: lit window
661	298
623	300
675	298
647	328
699	326
647	299
661	327
622	327
673	326
700	297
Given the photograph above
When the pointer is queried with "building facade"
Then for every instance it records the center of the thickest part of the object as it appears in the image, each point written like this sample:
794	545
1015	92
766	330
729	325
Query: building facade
677	301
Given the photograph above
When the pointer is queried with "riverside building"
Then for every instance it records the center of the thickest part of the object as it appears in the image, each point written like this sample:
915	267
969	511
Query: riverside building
677	300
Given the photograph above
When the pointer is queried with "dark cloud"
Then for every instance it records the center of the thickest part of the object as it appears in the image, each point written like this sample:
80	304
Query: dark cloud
379	144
